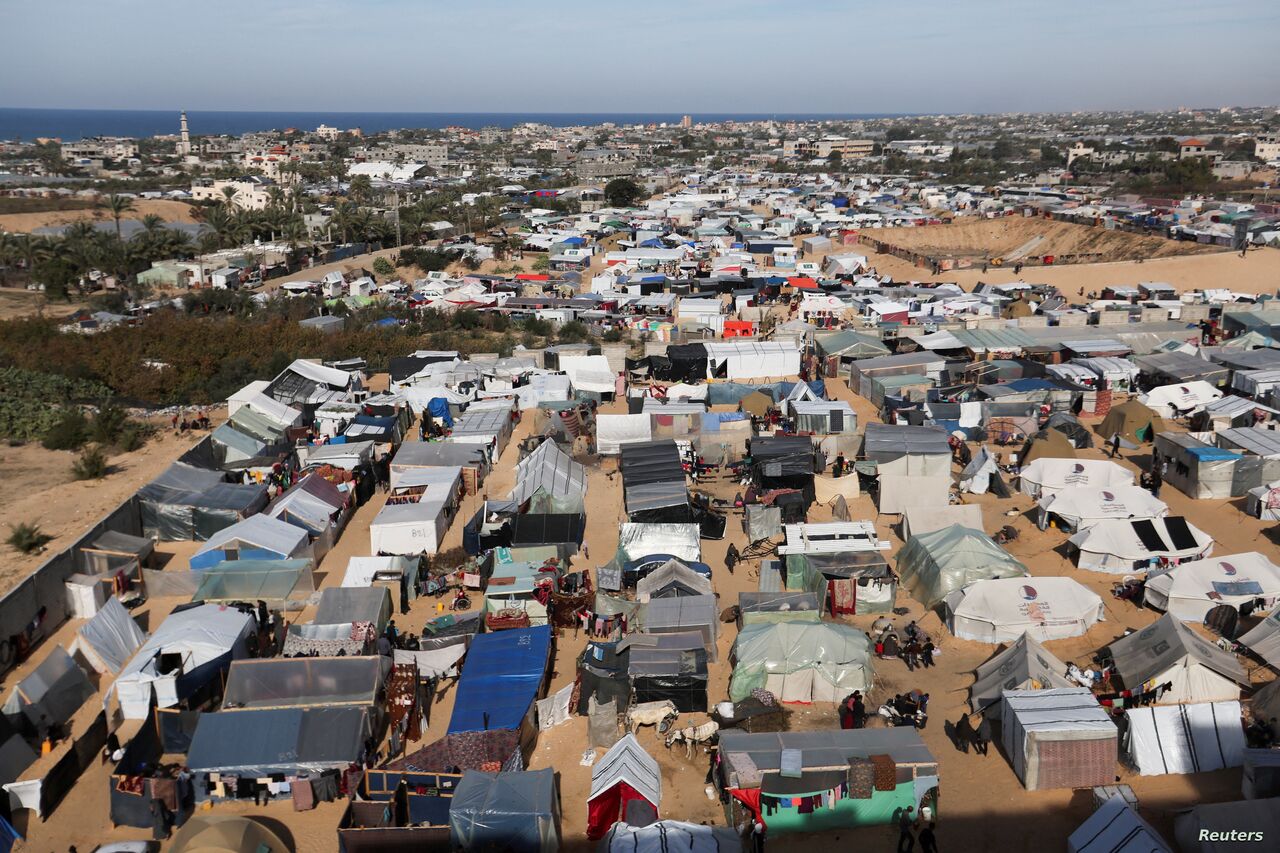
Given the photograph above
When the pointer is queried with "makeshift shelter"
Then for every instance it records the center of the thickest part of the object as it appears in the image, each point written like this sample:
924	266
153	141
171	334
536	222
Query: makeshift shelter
1200	469
189	503
847	580
736	360
112	552
51	694
1168	652
276	581
186	652
1047	476
348	606
1069	426
288	741
418	512
314	504
824	417
1000	611
1264	641
926	519
519	812
1191	590
109	639
756	404
673	579
413	455
653	485
624	775
503	674
683	614
1058	738
1078	507
801	661
765	607
1180	399
1192	738
1218	827
670	835
637	541
1024	665
844	778
259	537
549	470
977	476
225	834
913	465
1046	444
667	667
394	573
1133	422
785	462
1121	546
933	565
1116	828
273	683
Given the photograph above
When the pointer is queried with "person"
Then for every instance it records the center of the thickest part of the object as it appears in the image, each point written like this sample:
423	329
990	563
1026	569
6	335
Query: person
983	736
392	632
859	708
846	713
1156	481
911	655
161	819
891	646
928	842
838	470
906	841
880	647
1115	445
964	733
912	631
926	653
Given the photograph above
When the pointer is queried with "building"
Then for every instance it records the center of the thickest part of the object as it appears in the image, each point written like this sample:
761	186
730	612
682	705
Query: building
251	192
1266	146
686	122
184	139
427	153
1078	150
100	148
271	161
382	170
326	132
1196	148
848	149
598	163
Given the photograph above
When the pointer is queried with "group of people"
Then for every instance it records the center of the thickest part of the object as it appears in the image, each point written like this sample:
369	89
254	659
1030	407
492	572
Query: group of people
182	423
918	649
965	734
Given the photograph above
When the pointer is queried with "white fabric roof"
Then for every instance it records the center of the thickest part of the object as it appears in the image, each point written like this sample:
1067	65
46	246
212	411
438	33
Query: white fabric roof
1082	506
614	431
1192	738
1048	475
1233	579
361	570
273	534
589	373
627	761
1182	397
110	638
320	373
1116	828
1002	610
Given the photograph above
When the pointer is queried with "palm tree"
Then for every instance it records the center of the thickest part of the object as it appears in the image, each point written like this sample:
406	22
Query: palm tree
229	195
118	206
152	224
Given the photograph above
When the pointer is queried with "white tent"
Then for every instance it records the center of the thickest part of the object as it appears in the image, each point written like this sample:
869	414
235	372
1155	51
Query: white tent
976	476
1115	828
109	639
1001	611
199	636
1191	590
1263	502
1168	652
1023	665
1264	639
1192	738
666	836
1058	738
363	571
922	520
752	360
1049	475
418	513
1117	545
614	431
588	373
1184	398
549	469
1078	507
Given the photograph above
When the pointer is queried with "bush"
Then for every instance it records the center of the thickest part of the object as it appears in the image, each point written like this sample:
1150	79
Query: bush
92	464
615	335
69	432
26	538
537	326
382	266
133	436
108	423
574	332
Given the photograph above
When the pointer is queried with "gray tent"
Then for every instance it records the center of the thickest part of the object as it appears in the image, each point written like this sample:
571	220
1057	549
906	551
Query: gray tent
112	552
1264	638
686	613
548	469
52	693
109	639
1167	651
672	579
1023	665
518	812
259	683
289	741
186	503
934	564
344	605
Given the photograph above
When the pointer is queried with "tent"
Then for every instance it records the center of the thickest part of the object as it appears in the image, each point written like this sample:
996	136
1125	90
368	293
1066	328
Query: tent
313	503
913	464
259	537
225	834
934	564
1116	828
1168	652
346	606
1069	426
1058	738
1046	444
757	403
274	581
1121	545
111	552
1023	665
519	812
394	573
1078	507
1047	476
682	614
414	455
666	667
976	476
653	485
801	661
188	649
824	417
1191	590
109	639
189	503
1227	827
51	693
1200	469
289	741
735	360
1180	399
502	676
304	682
923	520
785	462
1000	611
1264	641
1193	738
624	774
418	513
613	432
669	835
589	373
1133	422
672	579
548	469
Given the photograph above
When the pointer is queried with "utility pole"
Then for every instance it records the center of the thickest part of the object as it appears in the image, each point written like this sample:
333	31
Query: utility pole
399	242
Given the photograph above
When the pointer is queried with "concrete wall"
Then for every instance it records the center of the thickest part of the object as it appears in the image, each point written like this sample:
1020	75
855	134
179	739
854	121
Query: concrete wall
1194	313
1113	318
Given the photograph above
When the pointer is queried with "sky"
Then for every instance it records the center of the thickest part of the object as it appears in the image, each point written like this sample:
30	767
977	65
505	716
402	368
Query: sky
757	56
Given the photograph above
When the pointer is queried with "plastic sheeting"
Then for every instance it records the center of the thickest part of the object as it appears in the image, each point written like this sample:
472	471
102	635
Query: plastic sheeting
189	503
613	432
258	537
548	469
1001	611
52	693
589	373
287	741
932	565
925	519
669	835
518	812
640	540
1191	590
1194	738
501	678
801	661
554	710
109	639
1024	665
302	682
1033	721
276	581
345	605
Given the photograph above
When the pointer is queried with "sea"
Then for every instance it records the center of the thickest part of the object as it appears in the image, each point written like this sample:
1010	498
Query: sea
68	125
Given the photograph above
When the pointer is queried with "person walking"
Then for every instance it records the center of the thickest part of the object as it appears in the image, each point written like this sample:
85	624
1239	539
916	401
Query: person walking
911	655
1115	445
982	738
859	708
964	734
906	840
926	653
1157	480
928	841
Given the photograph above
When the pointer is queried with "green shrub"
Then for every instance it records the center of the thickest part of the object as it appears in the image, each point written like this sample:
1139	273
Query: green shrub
69	432
382	266
92	464
573	332
108	423
26	538
133	436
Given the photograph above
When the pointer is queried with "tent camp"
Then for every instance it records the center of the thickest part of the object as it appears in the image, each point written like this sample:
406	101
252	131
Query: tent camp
519	812
305	682
613	432
933	565
1191	590
1024	665
188	649
1116	828
189	503
801	661
623	775
1264	641
1181	399
913	465
259	537
1059	738
418	512
1000	611
1192	738
347	606
548	469
109	639
1047	476
288	741
1168	652
1217	827
1121	545
1078	507
673	579
666	668
1133	422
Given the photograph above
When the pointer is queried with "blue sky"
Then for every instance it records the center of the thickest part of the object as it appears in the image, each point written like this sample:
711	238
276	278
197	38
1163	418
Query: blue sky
661	55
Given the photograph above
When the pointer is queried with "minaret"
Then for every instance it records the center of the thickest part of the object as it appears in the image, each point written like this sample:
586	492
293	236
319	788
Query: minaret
184	146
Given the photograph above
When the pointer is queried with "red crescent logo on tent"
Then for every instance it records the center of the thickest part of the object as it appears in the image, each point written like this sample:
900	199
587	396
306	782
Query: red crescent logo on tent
1107	496
1078	468
1228	569
1029	593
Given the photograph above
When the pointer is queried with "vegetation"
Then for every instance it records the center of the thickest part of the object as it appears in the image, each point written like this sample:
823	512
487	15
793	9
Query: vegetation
26	538
383	267
92	464
622	192
32	402
69	432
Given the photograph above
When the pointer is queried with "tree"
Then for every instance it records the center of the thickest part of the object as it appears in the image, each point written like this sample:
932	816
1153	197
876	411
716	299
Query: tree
382	267
621	192
834	159
118	206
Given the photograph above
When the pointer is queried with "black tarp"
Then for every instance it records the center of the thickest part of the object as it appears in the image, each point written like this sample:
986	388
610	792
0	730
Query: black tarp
785	462
602	672
1176	527
548	529
687	363
1146	532
653	485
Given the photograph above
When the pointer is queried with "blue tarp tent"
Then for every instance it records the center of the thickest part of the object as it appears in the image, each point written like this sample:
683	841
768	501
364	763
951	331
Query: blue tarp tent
439	409
500	680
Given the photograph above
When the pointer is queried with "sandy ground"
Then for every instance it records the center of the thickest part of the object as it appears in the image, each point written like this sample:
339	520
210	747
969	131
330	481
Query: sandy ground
982	803
23	303
172	211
